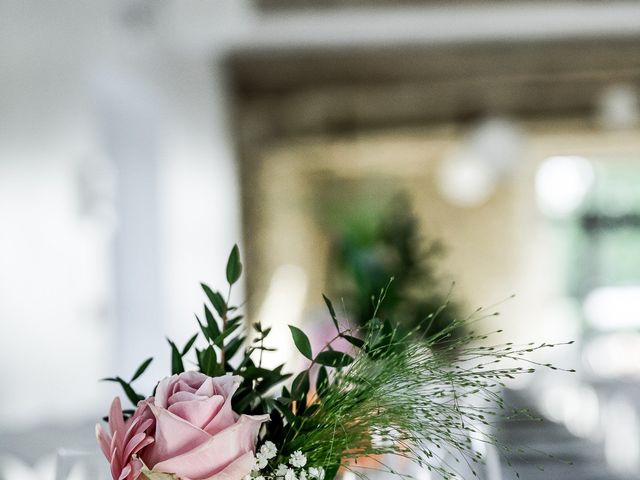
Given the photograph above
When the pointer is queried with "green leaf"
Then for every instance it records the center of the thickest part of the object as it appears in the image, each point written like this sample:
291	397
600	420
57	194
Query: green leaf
176	359
332	311
212	324
234	267
205	330
231	328
141	369
330	472
232	347
131	394
189	344
300	385
216	299
356	342
302	342
334	359
208	361
322	382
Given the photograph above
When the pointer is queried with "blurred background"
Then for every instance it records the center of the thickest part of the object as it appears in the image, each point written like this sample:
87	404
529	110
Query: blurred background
473	150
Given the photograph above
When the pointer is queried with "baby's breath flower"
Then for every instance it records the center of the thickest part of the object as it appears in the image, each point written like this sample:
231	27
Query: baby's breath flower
268	450
316	473
281	470
302	475
298	459
290	475
260	461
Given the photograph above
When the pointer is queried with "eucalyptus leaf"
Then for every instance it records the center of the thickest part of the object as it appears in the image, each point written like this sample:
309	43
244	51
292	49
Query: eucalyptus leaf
189	344
131	394
300	385
205	330
302	342
208	361
355	341
233	346
322	381
141	369
216	299
331	358
176	359
234	267
212	324
332	311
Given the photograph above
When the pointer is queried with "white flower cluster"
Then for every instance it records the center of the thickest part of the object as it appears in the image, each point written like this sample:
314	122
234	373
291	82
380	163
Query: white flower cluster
292	470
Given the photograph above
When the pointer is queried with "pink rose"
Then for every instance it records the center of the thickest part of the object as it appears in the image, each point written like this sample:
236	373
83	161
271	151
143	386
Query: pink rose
197	434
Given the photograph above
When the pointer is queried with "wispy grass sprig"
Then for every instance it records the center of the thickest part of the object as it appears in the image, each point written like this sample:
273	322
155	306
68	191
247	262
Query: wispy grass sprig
419	398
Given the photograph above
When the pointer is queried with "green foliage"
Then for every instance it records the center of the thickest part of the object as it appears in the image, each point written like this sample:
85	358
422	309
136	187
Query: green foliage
234	267
130	393
366	253
142	368
389	394
302	342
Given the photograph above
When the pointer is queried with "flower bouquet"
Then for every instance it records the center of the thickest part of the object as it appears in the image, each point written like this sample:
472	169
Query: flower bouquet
234	419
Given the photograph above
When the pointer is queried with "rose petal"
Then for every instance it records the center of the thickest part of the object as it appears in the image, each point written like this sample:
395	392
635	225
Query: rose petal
183	397
182	386
173	436
198	412
162	392
207	388
214	455
226	386
194	379
239	468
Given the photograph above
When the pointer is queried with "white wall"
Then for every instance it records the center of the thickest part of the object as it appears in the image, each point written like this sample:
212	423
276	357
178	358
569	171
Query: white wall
118	195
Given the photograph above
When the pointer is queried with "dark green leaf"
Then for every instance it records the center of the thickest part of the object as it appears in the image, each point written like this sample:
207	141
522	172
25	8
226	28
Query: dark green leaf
216	299
234	267
212	324
231	328
205	330
353	341
286	411
322	381
232	347
332	311
189	344
301	341
300	385
331	358
208	361
176	359
141	368
128	390
254	373
331	472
